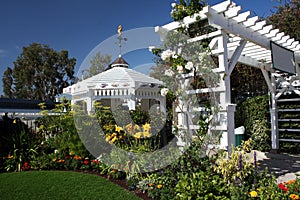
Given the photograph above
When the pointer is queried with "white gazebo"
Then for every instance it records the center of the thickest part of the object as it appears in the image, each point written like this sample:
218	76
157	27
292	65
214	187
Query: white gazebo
116	86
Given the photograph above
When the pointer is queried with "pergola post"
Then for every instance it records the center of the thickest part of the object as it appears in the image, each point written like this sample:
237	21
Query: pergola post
225	98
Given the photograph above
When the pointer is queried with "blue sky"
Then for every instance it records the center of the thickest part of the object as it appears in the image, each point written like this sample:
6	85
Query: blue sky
79	26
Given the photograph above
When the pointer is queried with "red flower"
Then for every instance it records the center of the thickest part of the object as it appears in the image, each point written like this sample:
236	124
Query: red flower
86	162
26	166
282	187
67	156
95	161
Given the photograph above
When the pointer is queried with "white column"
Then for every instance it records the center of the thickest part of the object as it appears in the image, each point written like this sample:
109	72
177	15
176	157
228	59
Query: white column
132	100
274	117
89	102
225	99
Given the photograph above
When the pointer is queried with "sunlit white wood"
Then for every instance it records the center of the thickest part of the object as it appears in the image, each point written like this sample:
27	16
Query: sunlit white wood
253	49
272	33
232	12
251	21
266	29
242	17
283	40
222	7
258	53
201	37
278	36
258	25
294	44
262	56
236	56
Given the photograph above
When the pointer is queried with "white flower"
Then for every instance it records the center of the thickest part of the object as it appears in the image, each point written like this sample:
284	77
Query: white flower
175	56
180	69
173	5
167	54
151	48
189	65
169	72
164	91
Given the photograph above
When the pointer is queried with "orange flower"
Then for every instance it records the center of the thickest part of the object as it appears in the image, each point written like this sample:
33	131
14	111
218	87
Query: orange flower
10	157
159	186
151	184
290	182
77	157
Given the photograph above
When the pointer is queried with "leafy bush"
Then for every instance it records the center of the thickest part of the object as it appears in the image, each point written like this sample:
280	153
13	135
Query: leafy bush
19	145
254	115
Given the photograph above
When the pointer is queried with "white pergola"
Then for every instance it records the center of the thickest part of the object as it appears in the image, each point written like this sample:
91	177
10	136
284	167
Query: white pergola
241	38
117	86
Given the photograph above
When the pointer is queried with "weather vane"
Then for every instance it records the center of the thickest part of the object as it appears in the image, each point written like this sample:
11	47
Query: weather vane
120	38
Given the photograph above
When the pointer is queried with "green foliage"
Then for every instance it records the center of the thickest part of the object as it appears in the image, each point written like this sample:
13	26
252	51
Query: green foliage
8	82
202	185
246	82
98	64
236	167
18	144
61	132
186	8
39	73
287	18
254	115
260	135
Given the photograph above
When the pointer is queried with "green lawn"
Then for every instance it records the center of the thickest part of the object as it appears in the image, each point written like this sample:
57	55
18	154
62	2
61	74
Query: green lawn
59	185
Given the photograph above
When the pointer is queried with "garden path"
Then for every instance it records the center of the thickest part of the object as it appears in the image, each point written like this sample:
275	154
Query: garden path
284	166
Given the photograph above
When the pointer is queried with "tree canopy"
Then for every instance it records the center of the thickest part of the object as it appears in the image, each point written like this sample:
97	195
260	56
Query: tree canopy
287	18
98	64
39	73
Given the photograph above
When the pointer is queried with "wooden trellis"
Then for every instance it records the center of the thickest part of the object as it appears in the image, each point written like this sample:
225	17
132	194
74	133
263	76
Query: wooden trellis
240	37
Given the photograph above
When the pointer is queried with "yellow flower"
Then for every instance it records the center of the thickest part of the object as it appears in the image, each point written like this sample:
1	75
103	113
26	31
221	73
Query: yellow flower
118	128
138	135
107	138
253	193
294	196
146	127
15	121
128	126
159	186
136	127
114	139
147	134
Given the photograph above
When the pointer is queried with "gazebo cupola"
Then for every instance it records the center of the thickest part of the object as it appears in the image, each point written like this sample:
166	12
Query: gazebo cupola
119	62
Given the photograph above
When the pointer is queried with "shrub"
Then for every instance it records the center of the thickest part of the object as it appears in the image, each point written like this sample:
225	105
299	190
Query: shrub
254	115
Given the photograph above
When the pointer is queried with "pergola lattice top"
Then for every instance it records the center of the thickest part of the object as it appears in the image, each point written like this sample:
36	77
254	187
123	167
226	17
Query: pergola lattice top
244	31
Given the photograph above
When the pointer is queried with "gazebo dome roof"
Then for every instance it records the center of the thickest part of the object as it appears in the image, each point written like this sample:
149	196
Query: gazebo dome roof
122	77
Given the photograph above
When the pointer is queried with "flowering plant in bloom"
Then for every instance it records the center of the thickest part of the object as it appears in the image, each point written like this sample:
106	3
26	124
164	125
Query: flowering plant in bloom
133	137
185	8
